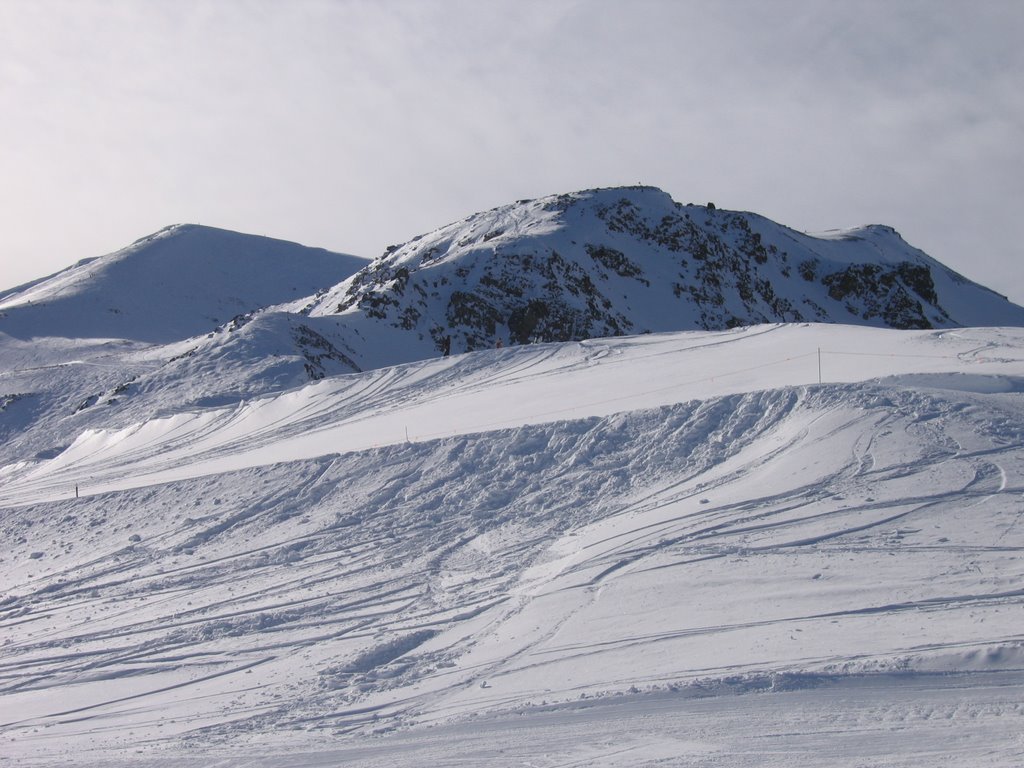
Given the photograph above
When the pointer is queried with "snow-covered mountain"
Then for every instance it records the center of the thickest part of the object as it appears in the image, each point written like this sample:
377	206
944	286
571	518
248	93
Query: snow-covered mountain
728	491
151	328
193	316
610	262
180	282
591	264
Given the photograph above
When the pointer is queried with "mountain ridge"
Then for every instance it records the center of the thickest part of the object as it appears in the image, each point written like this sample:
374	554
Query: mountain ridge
603	262
178	282
565	267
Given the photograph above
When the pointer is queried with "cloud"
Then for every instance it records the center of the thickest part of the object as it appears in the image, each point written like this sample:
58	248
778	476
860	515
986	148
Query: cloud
356	124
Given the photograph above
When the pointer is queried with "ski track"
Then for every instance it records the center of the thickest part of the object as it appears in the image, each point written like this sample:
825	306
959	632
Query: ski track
428	582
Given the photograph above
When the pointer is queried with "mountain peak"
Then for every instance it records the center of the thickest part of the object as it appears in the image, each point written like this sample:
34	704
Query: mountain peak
180	281
628	260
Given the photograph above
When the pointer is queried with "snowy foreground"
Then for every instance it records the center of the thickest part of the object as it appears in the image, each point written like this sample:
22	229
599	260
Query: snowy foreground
675	549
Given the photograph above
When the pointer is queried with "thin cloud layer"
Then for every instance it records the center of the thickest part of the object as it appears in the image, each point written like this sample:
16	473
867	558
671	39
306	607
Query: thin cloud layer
352	125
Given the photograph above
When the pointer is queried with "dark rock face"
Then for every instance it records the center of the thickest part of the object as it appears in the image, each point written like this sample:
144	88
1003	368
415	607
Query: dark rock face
631	260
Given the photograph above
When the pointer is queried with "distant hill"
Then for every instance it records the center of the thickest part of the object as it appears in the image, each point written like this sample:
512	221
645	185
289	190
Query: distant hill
182	281
590	264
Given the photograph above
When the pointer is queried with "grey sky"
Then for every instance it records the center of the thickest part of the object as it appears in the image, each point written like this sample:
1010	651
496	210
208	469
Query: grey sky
354	125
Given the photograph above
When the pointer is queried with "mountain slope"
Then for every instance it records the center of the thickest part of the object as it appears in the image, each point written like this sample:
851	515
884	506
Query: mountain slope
252	516
156	327
174	284
620	261
507	541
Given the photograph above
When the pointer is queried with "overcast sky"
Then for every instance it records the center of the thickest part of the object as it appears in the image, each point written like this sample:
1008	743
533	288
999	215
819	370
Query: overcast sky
354	125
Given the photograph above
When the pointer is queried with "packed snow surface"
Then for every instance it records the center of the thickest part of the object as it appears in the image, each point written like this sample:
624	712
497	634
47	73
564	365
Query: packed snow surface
784	545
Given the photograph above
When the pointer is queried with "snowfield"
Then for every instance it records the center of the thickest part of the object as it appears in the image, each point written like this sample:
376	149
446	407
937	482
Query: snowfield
787	545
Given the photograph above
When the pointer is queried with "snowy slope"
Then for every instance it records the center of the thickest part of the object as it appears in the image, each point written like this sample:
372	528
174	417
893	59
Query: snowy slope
179	282
251	515
173	320
669	549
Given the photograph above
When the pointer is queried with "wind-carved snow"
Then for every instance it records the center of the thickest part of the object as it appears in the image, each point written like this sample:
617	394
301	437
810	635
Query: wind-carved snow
675	548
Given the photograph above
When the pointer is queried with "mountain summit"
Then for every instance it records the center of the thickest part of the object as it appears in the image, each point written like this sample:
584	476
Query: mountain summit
590	264
620	261
176	283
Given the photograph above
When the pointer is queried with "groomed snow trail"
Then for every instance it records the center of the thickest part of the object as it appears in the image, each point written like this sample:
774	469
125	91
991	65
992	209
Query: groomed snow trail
803	571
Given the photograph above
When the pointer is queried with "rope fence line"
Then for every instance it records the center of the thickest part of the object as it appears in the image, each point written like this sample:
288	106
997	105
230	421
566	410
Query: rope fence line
888	354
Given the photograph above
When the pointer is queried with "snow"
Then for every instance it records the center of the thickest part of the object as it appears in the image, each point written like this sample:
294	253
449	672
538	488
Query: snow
538	383
671	549
176	283
604	262
244	528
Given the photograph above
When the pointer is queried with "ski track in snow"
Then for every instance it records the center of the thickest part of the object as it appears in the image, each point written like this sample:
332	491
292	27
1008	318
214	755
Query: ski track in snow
840	564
